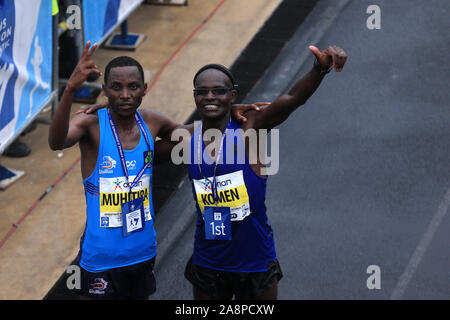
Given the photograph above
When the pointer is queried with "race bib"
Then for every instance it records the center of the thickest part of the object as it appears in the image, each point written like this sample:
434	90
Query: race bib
114	192
232	193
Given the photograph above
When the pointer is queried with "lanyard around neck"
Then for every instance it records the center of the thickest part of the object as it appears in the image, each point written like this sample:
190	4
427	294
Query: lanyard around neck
200	159
121	153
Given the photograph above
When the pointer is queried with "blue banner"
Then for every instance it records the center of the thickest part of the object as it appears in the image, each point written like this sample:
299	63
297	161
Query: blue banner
25	63
101	17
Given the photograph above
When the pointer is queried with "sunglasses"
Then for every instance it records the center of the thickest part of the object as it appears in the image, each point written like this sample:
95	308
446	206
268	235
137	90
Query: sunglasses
215	92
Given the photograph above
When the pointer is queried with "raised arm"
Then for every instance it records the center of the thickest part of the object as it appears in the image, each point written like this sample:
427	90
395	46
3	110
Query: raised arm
63	132
280	109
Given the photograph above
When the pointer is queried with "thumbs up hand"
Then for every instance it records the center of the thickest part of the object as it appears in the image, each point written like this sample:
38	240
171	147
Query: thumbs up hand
330	57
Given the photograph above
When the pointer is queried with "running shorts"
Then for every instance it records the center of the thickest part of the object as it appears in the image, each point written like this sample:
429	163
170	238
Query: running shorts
131	282
222	285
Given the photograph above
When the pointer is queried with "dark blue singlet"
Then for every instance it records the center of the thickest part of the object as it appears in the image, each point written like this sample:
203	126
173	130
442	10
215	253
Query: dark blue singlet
252	245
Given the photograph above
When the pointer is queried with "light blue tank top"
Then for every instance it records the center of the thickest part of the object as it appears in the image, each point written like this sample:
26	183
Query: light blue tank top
252	245
102	245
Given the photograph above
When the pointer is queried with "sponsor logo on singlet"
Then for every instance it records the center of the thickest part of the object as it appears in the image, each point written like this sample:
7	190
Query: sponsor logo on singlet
107	164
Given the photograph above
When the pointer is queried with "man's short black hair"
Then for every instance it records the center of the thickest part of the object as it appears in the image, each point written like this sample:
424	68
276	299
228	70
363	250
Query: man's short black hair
123	61
217	67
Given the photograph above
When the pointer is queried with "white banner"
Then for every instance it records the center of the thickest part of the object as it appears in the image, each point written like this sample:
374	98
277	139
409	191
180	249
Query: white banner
25	63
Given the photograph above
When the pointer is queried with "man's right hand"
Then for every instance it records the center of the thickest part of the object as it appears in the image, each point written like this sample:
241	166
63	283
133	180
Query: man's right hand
84	68
239	110
63	132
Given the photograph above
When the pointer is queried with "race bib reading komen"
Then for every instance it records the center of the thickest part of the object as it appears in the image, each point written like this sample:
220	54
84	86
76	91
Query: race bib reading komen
114	192
232	193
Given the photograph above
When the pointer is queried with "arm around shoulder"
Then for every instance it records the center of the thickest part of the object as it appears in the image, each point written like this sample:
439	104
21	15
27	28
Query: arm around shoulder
160	125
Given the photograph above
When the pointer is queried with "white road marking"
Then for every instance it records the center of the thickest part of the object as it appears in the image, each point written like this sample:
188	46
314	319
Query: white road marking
421	248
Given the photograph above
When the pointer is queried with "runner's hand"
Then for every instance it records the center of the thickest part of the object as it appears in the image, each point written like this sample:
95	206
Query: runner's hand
330	57
84	68
239	110
91	108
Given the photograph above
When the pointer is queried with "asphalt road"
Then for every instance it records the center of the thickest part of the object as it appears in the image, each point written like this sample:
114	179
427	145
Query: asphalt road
364	175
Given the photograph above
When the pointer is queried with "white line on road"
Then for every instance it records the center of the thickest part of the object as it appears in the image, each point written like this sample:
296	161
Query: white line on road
421	248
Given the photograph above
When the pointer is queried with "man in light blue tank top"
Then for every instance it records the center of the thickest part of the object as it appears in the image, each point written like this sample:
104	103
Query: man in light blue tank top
118	247
234	252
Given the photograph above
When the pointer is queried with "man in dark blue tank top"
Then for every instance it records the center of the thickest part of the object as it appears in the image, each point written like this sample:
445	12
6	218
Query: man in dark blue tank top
234	251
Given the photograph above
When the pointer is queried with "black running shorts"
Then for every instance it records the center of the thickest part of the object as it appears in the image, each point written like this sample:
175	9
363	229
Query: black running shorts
131	282
223	285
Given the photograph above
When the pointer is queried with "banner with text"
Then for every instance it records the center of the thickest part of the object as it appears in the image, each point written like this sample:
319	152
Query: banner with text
25	64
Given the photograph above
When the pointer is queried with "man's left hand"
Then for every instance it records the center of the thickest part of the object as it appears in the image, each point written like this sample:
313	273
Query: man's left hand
330	57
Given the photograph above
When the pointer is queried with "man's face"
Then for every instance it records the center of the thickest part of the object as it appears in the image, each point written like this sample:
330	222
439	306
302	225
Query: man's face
124	89
213	94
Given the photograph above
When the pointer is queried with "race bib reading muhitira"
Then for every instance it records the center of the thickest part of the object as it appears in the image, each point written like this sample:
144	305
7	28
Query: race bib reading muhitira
114	192
232	193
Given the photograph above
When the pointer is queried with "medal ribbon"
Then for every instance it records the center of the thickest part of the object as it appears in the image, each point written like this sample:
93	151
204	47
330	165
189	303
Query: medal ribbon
199	156
121	153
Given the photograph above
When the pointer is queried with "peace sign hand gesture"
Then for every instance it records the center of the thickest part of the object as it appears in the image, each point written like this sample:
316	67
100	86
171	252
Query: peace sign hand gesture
84	68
